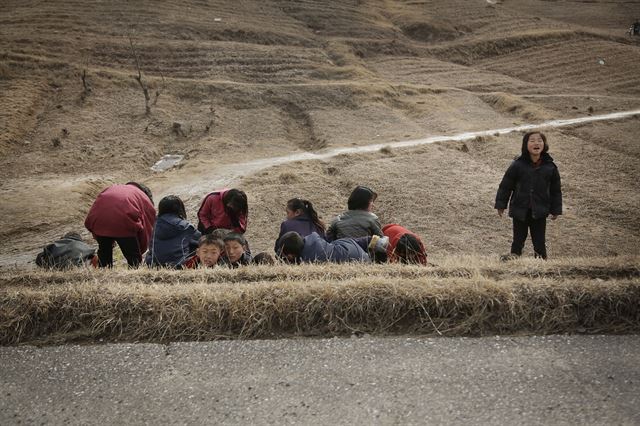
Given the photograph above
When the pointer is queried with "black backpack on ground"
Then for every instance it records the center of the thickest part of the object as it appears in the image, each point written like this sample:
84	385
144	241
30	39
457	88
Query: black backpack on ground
68	252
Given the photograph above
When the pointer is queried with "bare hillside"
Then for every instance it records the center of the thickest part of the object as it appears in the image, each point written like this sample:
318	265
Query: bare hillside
231	82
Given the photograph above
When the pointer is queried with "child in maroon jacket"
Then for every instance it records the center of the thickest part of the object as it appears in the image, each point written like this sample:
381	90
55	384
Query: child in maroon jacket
224	208
122	214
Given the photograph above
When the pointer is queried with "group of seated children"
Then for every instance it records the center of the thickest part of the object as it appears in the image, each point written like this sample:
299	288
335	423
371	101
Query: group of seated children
125	215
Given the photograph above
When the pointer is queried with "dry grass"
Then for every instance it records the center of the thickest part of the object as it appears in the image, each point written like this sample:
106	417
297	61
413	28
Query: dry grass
469	296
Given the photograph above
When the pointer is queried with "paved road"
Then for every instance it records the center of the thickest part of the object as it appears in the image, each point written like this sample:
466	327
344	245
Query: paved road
505	380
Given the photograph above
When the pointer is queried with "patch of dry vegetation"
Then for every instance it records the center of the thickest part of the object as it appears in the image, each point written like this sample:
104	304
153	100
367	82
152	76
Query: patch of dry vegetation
463	296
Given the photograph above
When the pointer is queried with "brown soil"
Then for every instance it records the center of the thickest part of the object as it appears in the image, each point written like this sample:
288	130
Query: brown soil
259	79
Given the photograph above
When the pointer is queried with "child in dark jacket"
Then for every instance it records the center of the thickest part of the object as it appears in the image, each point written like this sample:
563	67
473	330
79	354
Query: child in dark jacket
236	253
301	218
174	239
314	249
122	214
531	187
358	221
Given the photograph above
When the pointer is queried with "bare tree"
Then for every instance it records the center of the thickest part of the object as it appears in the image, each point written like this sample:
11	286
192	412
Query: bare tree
86	87
143	84
160	89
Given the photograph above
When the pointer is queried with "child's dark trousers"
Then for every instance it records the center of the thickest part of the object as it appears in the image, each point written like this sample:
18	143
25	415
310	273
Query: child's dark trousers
538	229
128	246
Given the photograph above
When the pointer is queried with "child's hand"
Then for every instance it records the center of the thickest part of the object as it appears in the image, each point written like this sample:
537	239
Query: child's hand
500	212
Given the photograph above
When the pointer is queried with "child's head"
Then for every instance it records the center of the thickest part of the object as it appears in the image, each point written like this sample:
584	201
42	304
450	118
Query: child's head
263	258
299	206
361	198
234	246
534	142
220	233
172	204
235	201
295	207
142	188
292	245
209	250
409	250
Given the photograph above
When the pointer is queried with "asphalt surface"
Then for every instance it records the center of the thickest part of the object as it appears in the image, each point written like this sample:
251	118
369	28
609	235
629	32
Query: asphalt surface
504	380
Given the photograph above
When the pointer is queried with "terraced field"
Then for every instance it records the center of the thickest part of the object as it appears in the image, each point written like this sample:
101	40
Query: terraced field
257	79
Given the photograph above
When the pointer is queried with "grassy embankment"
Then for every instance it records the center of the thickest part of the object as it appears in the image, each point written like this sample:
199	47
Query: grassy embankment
468	296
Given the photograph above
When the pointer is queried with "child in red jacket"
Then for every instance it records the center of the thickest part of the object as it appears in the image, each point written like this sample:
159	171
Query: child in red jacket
224	208
404	246
122	214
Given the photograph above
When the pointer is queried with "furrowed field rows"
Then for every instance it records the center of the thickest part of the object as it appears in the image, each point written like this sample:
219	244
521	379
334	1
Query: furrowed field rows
576	65
445	74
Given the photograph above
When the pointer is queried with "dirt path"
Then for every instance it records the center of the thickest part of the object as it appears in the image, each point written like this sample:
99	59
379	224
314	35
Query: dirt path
228	174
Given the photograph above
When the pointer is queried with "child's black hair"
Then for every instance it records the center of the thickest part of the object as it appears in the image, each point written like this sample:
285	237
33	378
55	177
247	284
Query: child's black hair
360	198
525	141
292	243
307	208
220	233
234	236
142	188
263	258
236	201
211	240
172	204
407	249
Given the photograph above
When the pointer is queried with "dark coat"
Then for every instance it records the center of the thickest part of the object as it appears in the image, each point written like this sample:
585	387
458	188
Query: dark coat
302	225
174	240
316	249
354	224
526	187
244	260
122	211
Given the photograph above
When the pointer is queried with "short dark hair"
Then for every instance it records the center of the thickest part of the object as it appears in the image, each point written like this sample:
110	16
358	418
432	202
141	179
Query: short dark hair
234	236
525	141
210	240
263	258
291	243
408	249
142	188
220	233
172	204
360	198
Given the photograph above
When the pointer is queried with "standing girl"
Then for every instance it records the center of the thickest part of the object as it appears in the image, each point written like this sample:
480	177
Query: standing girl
531	187
224	208
302	218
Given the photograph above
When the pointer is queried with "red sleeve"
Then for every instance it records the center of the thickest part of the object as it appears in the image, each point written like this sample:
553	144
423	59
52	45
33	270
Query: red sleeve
147	219
242	220
205	214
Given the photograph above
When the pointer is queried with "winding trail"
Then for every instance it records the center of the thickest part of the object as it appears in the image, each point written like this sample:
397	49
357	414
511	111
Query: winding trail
228	174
